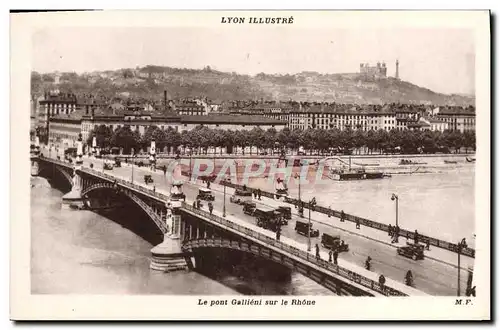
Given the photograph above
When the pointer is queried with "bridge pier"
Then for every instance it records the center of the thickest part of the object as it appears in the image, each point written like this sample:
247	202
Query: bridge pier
74	199
168	256
35	168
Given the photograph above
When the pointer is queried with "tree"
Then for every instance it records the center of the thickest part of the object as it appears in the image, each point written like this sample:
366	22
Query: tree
103	135
123	137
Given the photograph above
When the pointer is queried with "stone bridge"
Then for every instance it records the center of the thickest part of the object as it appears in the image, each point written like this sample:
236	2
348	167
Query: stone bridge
188	231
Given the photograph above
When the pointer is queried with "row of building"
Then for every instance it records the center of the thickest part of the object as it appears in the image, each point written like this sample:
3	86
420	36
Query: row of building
64	116
373	117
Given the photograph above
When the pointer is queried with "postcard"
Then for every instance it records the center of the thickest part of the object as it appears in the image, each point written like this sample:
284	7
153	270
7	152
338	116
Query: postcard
250	165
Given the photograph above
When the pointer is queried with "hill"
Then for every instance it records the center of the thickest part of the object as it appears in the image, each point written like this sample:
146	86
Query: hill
149	83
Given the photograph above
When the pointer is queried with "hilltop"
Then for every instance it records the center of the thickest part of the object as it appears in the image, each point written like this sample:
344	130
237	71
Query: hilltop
149	83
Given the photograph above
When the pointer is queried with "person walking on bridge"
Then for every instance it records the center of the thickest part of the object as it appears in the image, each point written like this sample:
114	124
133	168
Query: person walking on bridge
358	226
317	251
415	237
342	216
335	256
330	254
278	233
259	193
390	231
210	207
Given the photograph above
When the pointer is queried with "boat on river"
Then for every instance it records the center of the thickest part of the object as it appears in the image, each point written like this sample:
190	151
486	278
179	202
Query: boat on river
450	161
410	162
470	160
359	174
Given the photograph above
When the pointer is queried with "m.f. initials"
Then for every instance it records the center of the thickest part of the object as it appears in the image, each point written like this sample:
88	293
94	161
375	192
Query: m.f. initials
460	302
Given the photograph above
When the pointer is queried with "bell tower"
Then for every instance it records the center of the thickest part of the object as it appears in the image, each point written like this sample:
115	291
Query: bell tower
397	69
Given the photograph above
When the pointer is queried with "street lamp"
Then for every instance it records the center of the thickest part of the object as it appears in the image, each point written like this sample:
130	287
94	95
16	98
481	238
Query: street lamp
132	179
462	244
224	204
312	203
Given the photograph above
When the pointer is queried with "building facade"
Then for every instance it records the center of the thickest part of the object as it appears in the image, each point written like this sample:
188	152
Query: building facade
458	118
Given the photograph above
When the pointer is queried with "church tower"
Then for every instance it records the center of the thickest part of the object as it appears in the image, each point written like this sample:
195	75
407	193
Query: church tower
397	69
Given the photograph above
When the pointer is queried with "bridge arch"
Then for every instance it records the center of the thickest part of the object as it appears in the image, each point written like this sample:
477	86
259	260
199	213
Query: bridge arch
131	196
248	247
46	168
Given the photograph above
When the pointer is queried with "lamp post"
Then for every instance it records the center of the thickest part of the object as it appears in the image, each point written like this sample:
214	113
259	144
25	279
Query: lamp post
312	203
132	179
462	244
396	198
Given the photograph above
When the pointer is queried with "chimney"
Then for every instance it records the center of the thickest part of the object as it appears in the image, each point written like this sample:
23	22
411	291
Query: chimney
165	98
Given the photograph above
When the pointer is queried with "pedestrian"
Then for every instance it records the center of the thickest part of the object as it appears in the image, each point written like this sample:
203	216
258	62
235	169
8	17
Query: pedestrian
330	254
416	237
164	169
317	251
154	188
244	187
335	256
259	193
342	216
407	236
194	204
255	194
381	280
357	224
390	230
210	207
329	212
428	245
278	234
208	184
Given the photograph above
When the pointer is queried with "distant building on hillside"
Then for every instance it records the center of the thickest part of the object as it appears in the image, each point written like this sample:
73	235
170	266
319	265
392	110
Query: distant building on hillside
379	71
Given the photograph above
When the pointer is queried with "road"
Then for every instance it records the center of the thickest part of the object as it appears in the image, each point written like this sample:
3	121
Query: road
430	276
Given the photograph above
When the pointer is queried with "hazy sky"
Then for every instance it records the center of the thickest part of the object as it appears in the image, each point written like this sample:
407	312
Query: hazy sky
439	59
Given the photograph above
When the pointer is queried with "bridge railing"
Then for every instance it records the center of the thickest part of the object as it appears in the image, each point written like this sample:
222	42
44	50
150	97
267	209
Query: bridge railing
124	183
343	272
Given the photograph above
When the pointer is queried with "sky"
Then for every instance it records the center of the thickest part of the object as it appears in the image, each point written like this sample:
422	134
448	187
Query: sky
439	59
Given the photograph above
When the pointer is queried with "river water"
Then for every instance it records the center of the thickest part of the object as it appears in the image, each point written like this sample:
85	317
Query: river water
82	252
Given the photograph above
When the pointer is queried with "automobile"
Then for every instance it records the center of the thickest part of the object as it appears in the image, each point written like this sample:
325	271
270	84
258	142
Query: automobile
108	166
148	179
267	217
333	241
286	213
70	152
411	250
302	228
249	207
176	191
241	196
205	194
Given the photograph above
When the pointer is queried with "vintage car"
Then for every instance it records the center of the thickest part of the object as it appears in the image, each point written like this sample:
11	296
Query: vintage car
249	207
267	217
205	194
148	179
176	191
303	227
108	166
241	196
411	250
333	241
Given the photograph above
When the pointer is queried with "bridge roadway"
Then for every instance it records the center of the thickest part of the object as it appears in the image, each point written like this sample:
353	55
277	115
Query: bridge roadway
430	276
